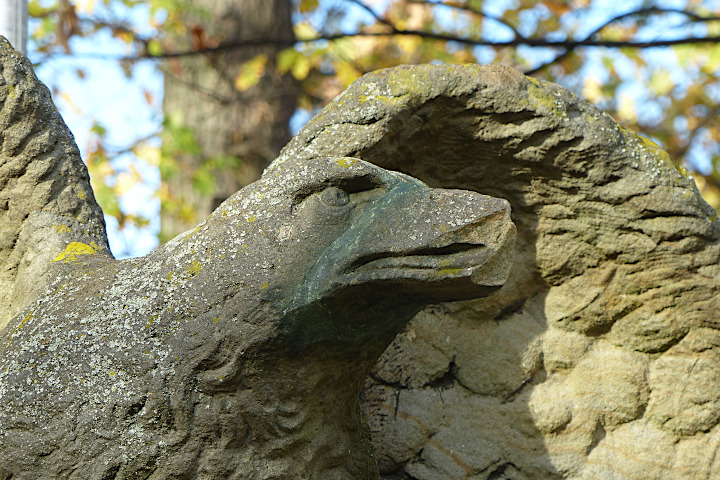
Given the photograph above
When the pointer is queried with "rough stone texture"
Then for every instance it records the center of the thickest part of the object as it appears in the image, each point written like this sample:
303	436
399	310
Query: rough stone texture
45	195
237	350
600	358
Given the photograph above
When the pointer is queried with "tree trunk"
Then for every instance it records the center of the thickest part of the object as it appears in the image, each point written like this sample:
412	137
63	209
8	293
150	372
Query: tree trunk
238	131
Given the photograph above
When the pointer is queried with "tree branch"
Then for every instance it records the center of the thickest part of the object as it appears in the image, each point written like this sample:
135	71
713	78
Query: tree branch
567	45
642	11
479	13
377	17
115	150
530	42
194	86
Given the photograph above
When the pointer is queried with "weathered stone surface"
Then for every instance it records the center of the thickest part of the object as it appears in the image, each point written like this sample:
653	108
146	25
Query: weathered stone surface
45	196
237	350
599	359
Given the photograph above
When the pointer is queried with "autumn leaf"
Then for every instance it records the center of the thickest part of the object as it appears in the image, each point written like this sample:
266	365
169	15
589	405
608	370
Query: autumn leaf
251	72
556	8
285	60
306	6
149	99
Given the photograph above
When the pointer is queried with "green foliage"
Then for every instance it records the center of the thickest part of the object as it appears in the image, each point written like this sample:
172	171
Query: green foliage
178	138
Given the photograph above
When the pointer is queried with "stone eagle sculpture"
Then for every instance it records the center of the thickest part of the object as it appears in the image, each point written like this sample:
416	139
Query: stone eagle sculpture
598	360
600	357
238	349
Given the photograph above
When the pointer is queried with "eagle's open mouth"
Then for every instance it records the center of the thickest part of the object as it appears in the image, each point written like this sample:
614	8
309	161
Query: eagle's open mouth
450	259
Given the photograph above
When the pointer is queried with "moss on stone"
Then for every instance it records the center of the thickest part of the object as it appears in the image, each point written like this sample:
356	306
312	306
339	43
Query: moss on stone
542	99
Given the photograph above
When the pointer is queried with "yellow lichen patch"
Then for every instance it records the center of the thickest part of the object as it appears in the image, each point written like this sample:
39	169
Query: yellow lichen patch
61	228
27	318
449	271
683	171
194	268
654	149
11	93
74	250
346	162
195	230
82	195
661	155
251	218
170	275
265	286
216	319
648	143
151	320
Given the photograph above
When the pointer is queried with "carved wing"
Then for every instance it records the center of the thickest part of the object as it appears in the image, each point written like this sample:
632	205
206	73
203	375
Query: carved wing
601	355
47	208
